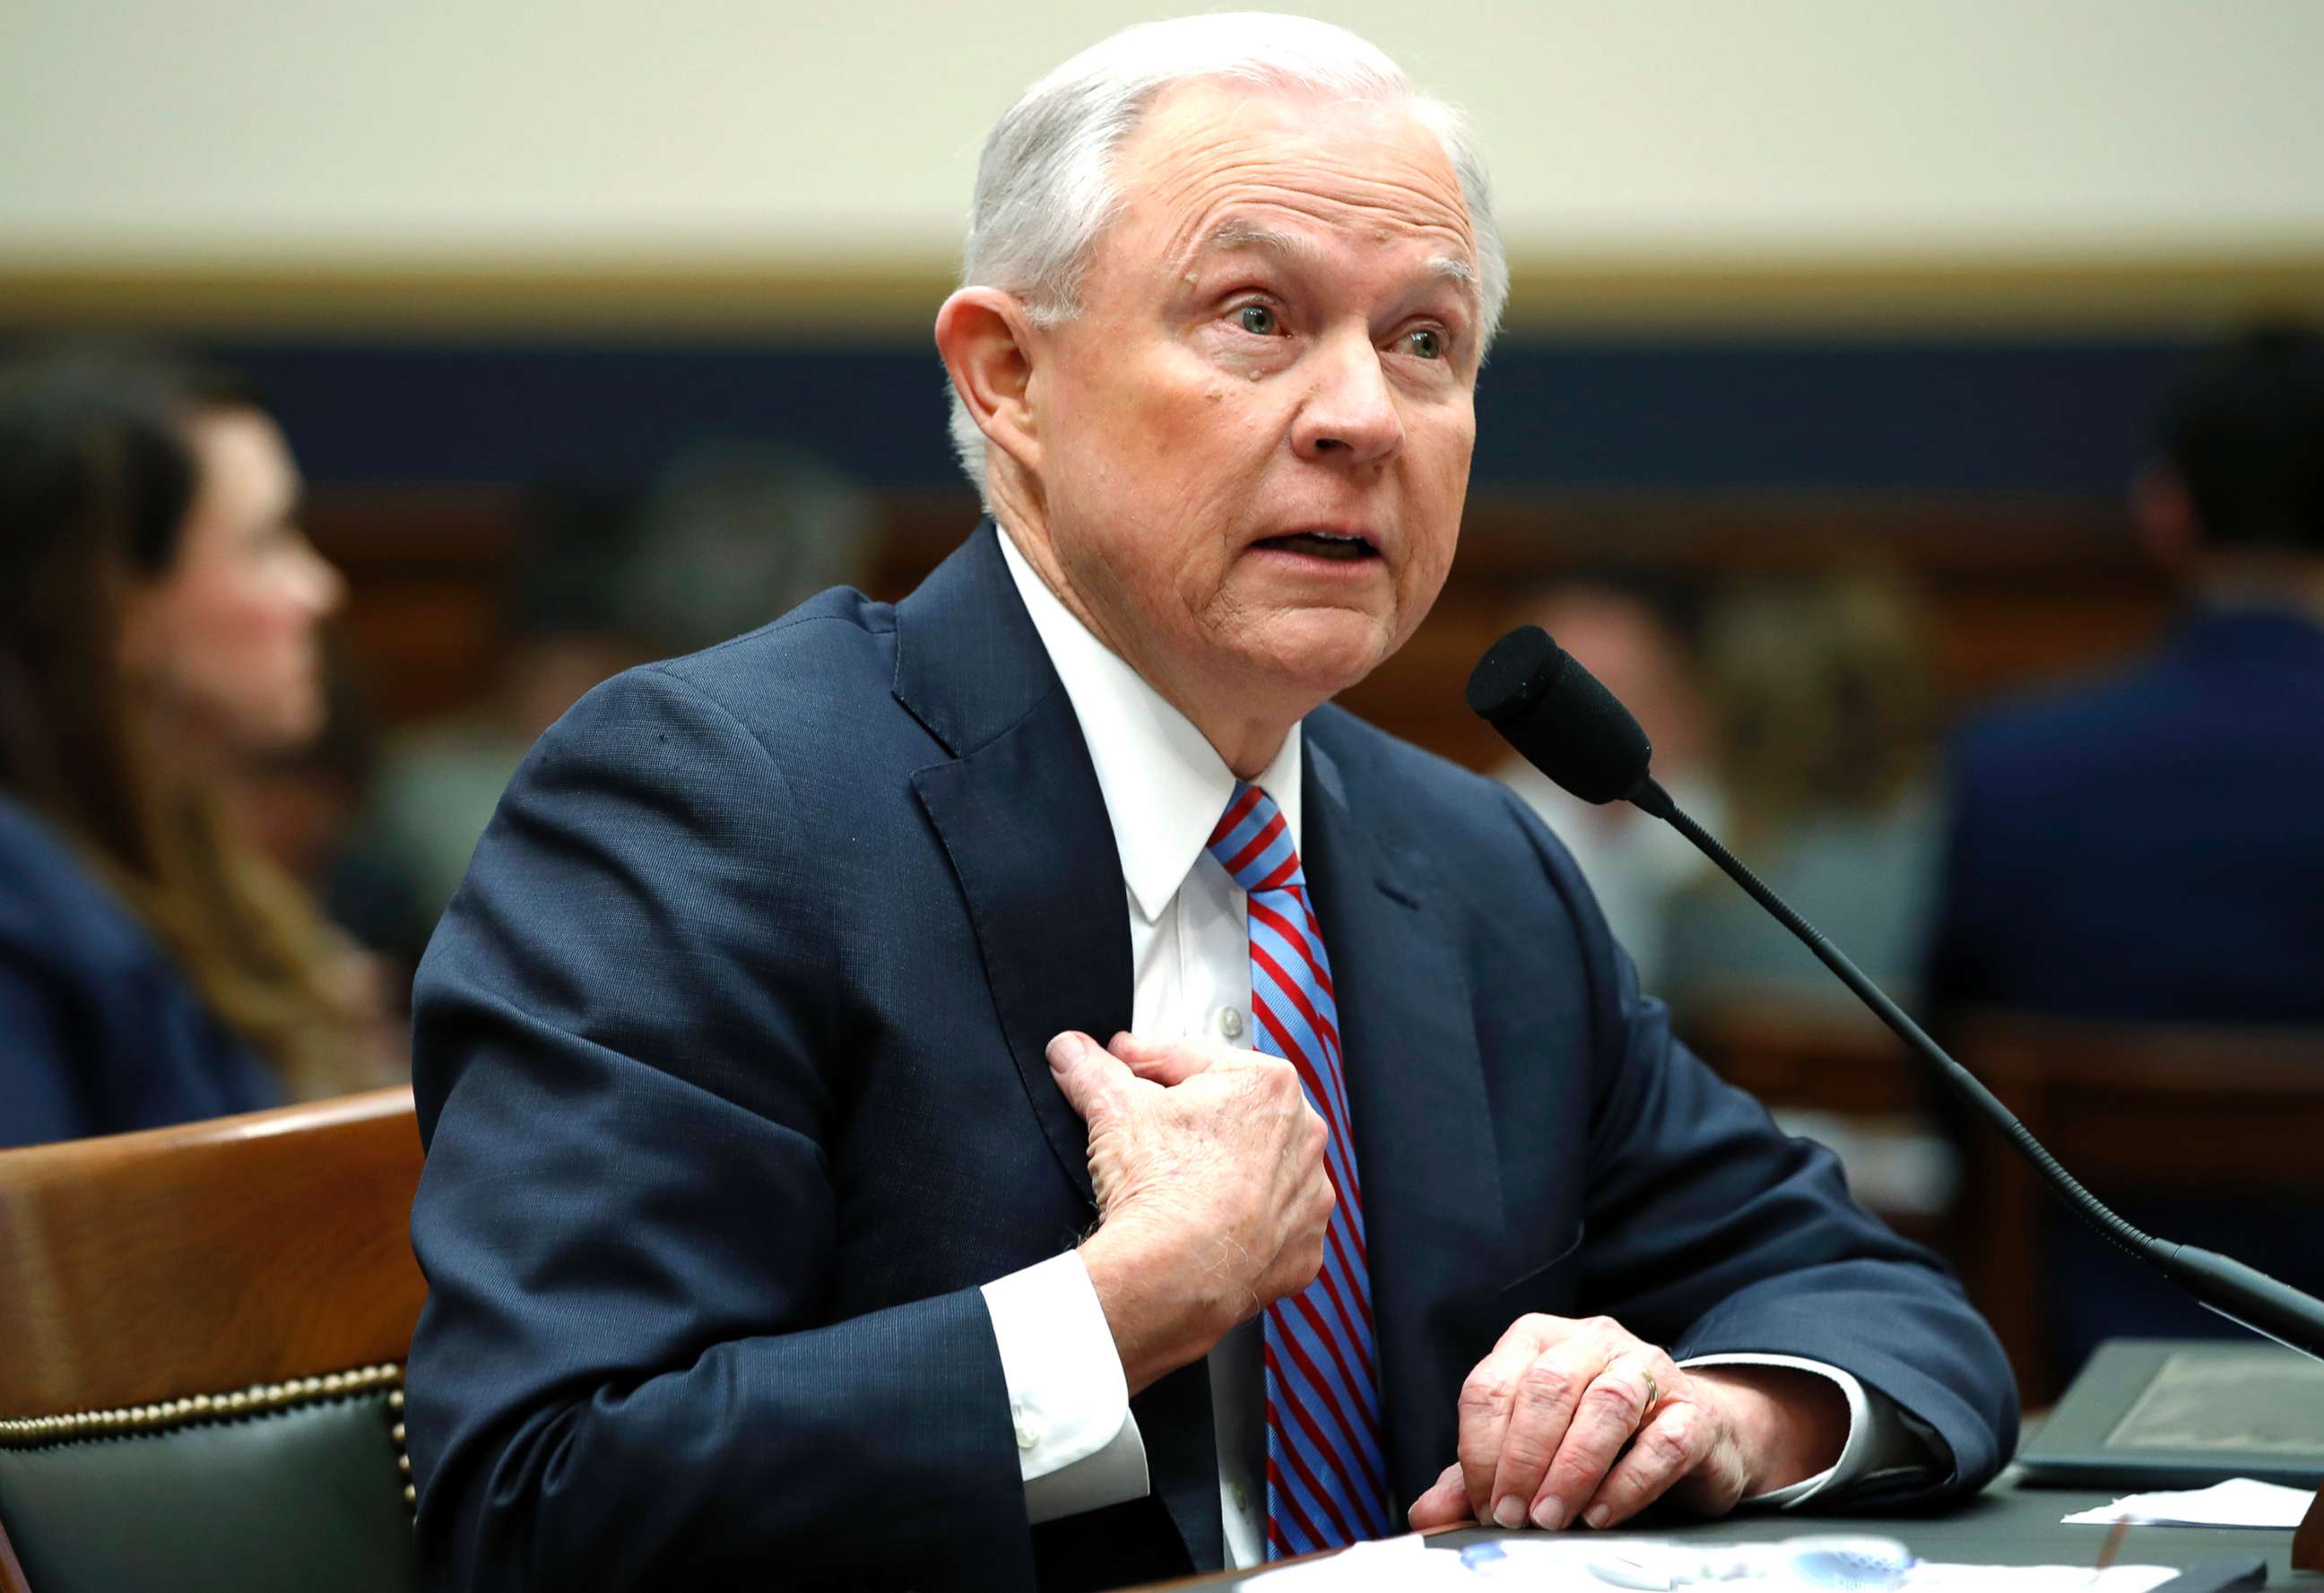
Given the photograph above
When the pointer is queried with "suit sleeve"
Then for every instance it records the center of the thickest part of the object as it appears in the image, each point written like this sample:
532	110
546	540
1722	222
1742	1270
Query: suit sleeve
1711	1232
37	1101
630	1056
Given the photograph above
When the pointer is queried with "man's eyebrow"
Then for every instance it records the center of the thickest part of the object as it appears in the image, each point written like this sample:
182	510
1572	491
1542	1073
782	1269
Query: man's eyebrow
1453	268
1234	234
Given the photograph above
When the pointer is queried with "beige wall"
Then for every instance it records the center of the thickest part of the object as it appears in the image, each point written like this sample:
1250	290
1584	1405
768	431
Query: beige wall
723	135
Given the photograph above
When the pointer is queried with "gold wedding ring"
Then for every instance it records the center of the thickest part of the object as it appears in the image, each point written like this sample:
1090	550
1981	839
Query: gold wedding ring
1653	1393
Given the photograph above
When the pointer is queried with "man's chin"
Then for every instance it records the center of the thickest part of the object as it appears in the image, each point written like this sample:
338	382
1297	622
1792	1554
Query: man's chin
1320	653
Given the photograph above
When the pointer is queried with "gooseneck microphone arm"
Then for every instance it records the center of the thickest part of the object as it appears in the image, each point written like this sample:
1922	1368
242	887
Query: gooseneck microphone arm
1574	730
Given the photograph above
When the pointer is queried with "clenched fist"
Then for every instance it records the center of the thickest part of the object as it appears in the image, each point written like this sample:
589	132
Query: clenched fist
1208	1165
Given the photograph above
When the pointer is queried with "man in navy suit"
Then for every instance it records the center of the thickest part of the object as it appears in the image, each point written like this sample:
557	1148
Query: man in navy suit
785	1215
2145	847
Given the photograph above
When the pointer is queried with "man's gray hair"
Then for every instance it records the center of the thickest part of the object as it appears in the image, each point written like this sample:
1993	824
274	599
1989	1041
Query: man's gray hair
1045	188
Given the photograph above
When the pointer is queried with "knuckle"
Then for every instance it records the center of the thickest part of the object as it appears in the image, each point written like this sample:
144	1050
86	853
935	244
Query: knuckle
1618	1399
1669	1450
1542	1385
1483	1395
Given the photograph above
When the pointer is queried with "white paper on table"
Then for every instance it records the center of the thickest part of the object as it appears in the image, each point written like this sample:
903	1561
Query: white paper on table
2038	1579
2238	1502
1559	1563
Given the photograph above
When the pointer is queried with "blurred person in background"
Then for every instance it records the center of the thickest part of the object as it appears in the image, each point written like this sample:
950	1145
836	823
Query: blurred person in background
1821	710
2150	847
159	610
730	535
1628	635
560	631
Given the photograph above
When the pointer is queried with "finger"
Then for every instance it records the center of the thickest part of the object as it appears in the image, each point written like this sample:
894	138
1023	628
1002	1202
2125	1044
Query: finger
1676	1444
1486	1398
1611	1410
1091	1080
1445	1503
1164	1063
1550	1395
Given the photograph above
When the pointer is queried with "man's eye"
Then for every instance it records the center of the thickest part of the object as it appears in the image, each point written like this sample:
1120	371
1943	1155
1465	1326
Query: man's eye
1426	341
1257	319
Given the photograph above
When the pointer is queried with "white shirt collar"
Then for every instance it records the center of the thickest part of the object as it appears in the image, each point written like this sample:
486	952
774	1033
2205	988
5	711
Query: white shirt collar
1164	786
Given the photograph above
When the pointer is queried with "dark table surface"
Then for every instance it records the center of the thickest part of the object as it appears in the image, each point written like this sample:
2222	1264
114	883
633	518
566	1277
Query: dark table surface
2004	1525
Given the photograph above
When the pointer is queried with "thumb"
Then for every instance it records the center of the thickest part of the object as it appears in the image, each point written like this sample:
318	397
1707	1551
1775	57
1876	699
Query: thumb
1166	1062
1090	1078
1445	1503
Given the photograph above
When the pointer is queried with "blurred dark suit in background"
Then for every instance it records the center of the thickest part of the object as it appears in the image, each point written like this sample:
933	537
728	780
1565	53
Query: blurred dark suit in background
2151	847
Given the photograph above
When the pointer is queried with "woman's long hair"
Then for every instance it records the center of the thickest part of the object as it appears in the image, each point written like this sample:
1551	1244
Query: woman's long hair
96	480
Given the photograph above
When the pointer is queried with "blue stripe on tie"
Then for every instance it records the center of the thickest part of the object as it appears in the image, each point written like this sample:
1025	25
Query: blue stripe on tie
1327	1472
1341	1331
1353	1405
1296	1438
1341	1397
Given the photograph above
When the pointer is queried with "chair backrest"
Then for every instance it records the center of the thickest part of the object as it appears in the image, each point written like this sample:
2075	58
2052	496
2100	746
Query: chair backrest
201	1332
2129	1109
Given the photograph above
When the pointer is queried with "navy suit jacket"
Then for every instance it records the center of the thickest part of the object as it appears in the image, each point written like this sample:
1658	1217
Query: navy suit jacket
730	1060
100	1031
2149	847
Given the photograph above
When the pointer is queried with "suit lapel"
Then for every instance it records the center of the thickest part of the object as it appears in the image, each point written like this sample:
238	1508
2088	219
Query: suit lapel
1425	1151
1024	822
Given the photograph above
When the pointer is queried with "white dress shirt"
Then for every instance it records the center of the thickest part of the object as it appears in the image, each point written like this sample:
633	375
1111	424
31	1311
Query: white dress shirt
1165	787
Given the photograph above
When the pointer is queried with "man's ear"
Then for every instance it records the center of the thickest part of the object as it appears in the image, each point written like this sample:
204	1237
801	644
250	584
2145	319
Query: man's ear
989	347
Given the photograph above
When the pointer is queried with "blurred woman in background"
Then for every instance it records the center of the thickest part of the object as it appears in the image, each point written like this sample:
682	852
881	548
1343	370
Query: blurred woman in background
158	617
1823	706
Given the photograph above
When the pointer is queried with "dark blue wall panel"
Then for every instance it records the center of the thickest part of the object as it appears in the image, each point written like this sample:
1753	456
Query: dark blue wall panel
1987	415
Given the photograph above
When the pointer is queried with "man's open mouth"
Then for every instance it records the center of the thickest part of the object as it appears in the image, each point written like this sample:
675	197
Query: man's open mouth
1323	544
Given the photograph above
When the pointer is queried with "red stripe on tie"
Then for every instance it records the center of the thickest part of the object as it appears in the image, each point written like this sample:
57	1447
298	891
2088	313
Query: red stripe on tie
1289	1502
1283	873
1308	907
1328	1106
1317	1024
1237	811
1338	1148
1276	1540
1282	926
1331	1287
1362	1307
1321	1494
1256	847
1291	1402
1329	1407
1330	1343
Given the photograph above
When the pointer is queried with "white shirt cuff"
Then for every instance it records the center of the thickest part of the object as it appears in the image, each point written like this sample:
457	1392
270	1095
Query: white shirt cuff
1878	1441
1078	1445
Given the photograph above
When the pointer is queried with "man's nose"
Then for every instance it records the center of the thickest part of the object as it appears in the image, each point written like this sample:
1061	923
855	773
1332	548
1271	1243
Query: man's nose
1350	416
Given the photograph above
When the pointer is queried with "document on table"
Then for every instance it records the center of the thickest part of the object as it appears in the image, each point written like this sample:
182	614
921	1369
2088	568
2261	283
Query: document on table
1543	1563
2237	1502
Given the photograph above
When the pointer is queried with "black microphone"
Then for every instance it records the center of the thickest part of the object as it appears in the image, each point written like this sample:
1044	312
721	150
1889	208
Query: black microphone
1570	727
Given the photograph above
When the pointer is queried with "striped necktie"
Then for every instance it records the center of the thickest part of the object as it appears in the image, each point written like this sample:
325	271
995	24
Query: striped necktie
1326	1478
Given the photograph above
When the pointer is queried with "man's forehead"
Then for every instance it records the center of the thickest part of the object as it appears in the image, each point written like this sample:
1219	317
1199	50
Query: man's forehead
1226	168
1241	233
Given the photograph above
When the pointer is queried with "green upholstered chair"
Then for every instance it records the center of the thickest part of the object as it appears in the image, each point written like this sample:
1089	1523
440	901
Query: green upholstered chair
201	1337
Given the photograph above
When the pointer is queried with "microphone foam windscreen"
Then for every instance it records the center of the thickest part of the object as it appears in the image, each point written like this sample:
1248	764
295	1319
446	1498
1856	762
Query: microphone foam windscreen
1555	713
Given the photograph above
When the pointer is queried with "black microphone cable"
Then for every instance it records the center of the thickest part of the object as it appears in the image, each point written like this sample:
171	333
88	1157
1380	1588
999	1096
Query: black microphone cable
1565	723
